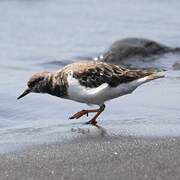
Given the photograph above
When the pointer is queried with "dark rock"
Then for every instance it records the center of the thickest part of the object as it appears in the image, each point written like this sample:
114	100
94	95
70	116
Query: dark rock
135	48
176	66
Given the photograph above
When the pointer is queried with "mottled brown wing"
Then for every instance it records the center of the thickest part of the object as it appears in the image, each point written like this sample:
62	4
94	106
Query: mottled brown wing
100	73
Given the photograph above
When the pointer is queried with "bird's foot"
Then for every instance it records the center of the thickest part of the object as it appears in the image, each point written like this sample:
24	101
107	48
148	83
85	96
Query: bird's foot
79	114
92	121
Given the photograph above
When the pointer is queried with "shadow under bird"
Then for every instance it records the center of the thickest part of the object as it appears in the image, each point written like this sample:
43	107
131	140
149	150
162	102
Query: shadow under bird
91	83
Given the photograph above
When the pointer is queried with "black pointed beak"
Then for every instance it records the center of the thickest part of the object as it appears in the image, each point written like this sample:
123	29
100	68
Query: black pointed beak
27	91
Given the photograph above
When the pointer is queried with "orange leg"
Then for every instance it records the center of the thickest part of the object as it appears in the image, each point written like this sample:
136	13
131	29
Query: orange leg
86	112
82	113
93	120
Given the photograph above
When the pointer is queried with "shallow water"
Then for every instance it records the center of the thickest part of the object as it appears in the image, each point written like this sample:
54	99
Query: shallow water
44	35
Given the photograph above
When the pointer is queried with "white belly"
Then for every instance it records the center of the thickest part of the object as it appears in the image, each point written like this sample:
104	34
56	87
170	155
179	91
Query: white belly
97	95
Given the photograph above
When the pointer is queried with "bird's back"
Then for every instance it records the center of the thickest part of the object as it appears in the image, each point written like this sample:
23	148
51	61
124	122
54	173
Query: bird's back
93	74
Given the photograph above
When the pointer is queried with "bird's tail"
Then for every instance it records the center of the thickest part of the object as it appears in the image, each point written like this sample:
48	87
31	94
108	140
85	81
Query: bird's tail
151	77
155	76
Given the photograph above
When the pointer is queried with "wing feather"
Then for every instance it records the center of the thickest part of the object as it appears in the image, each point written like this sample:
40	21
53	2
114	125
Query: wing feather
94	74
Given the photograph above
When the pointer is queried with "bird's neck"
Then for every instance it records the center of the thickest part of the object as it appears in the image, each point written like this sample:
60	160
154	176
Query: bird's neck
57	85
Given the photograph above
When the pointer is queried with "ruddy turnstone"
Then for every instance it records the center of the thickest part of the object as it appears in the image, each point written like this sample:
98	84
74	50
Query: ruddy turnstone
89	82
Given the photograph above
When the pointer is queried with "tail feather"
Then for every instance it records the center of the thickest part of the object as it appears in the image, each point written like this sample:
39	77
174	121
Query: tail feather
155	76
151	77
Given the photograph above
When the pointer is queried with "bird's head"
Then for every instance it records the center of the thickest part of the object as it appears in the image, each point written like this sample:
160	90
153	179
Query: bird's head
38	83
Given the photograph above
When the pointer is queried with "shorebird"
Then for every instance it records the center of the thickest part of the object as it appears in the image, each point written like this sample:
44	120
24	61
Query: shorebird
91	82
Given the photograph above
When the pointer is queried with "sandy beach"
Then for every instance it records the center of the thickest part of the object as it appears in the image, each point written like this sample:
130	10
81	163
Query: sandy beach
96	158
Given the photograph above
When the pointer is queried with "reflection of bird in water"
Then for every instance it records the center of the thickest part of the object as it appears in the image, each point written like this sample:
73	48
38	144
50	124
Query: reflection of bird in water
90	83
101	130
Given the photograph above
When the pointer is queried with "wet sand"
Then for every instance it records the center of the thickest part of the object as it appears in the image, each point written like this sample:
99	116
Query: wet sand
124	158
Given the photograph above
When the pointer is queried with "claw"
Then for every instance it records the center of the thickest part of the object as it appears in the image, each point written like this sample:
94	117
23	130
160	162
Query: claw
92	121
